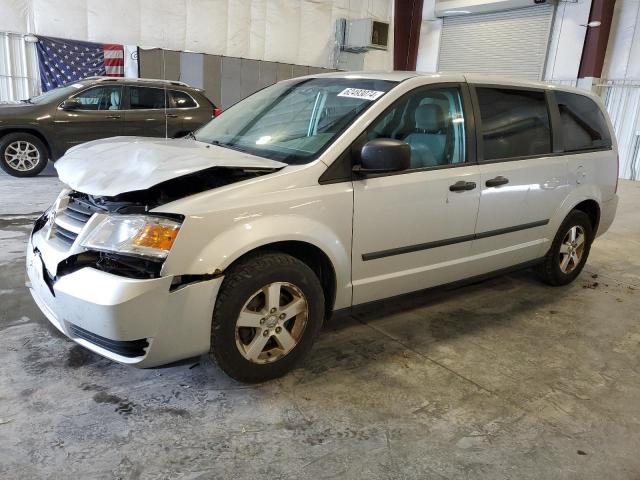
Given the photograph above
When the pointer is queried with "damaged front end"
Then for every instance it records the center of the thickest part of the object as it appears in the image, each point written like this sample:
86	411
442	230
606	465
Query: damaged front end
95	259
76	214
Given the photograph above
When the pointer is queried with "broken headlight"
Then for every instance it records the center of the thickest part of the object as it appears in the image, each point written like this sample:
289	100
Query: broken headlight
142	235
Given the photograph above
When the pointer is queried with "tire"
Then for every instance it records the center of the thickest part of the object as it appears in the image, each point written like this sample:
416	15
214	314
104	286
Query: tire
34	153
236	348
551	270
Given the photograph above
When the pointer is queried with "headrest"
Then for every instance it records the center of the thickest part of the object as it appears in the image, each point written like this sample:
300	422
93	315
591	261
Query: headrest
430	118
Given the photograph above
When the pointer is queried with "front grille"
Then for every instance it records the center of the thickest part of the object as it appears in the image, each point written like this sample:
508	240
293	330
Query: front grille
70	221
126	348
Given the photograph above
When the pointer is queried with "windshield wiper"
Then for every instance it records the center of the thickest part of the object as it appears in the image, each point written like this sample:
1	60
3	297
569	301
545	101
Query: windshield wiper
26	100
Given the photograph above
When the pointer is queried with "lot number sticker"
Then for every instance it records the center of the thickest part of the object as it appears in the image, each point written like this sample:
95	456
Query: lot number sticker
360	93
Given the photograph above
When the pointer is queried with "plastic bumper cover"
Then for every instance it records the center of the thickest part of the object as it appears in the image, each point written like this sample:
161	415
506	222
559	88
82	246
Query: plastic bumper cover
111	315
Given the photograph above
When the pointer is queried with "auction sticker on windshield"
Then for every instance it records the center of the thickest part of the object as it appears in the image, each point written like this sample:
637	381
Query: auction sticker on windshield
361	93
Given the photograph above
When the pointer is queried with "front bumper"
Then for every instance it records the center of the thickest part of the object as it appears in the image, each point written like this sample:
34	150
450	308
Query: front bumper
131	321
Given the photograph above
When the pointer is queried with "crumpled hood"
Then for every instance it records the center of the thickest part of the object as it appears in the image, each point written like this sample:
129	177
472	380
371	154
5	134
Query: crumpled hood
124	164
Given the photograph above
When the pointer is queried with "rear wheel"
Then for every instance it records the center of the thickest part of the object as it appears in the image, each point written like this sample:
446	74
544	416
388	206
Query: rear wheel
267	315
569	250
22	154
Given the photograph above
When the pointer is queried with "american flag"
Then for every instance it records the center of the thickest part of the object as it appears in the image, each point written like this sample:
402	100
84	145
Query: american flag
63	61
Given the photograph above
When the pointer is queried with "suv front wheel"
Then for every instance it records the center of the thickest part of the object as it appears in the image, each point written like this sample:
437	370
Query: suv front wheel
267	316
22	154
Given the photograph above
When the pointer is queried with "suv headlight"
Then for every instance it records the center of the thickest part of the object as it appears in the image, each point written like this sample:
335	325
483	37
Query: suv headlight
143	235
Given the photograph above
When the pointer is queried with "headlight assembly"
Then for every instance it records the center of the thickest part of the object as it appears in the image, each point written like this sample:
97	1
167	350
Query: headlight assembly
142	235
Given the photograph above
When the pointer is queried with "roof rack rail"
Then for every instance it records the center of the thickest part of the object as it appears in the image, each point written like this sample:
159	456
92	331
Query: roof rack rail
130	79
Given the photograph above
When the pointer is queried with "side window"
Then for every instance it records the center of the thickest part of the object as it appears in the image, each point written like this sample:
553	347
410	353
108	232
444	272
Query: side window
146	98
583	124
431	121
182	100
100	98
515	123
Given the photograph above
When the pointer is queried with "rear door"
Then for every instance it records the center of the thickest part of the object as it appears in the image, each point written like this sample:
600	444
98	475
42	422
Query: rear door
522	180
100	116
414	229
148	113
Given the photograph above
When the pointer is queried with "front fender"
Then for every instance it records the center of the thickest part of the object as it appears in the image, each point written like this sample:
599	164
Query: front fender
196	256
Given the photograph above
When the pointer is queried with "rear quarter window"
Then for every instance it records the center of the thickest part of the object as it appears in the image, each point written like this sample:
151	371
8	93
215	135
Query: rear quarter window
583	124
182	100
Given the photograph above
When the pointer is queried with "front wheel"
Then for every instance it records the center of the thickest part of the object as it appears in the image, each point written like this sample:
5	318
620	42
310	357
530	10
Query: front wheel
569	250
22	154
267	316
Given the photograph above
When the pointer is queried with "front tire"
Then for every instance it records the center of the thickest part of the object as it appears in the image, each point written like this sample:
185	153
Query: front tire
569	250
22	154
267	316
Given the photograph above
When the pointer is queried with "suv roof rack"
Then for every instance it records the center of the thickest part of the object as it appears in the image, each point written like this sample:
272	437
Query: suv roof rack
140	80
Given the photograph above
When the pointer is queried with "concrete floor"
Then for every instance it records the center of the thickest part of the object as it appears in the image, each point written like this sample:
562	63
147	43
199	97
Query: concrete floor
504	379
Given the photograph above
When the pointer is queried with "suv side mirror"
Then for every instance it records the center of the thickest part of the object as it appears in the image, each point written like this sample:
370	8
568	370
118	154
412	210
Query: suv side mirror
70	104
383	155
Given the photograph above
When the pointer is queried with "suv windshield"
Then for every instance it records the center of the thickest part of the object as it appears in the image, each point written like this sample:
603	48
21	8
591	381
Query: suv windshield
293	121
56	93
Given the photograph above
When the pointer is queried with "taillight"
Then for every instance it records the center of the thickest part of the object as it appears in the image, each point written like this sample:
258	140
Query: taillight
217	111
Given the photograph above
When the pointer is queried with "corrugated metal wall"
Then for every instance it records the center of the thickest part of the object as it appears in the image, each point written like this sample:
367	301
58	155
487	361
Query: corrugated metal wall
512	43
622	99
18	68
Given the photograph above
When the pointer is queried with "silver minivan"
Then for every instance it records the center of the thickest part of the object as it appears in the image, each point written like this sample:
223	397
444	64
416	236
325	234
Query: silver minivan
315	195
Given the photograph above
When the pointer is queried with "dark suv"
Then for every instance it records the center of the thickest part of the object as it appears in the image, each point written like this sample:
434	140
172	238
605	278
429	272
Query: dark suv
46	126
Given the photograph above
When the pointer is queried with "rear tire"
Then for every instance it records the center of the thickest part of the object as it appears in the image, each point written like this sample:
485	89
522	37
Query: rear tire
267	316
569	250
22	154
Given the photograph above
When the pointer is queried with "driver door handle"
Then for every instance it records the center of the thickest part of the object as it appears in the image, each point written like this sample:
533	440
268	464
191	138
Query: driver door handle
462	186
496	182
115	117
172	115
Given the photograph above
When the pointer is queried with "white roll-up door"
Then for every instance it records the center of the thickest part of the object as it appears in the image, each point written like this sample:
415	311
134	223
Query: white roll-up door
512	43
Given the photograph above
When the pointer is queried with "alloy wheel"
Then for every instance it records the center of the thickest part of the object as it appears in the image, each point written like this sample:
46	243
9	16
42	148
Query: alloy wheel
572	249
22	156
271	322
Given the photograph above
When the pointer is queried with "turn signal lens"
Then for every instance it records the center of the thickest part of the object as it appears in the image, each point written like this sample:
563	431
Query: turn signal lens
144	235
157	236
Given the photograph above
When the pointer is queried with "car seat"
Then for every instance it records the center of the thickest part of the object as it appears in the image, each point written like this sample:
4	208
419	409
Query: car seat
115	100
429	139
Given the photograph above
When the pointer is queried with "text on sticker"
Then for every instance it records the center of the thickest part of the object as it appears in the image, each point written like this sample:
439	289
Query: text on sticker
360	93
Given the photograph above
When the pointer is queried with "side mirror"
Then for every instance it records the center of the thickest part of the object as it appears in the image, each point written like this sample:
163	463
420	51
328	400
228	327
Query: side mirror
383	155
70	104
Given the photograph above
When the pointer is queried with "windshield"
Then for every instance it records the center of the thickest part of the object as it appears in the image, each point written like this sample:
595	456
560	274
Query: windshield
56	93
293	121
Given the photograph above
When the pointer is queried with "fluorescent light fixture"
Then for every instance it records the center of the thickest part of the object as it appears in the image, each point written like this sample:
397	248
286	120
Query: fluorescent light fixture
263	140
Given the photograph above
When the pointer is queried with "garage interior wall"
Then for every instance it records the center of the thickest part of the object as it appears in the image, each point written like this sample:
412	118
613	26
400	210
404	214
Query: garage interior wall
18	68
512	42
564	48
620	84
300	32
226	80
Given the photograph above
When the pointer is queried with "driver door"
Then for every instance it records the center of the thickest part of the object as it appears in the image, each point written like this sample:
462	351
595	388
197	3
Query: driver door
414	229
99	116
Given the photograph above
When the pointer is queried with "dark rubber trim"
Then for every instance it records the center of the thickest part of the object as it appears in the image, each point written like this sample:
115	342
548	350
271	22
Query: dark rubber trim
126	348
450	241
